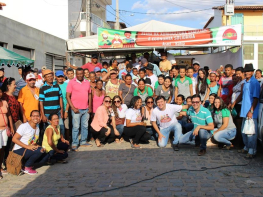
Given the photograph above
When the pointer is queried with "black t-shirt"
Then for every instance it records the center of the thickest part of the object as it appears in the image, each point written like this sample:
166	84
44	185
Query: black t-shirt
148	81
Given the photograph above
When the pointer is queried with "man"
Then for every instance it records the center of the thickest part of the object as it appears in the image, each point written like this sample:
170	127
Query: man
226	85
164	114
2	76
22	81
250	110
70	74
50	98
63	87
28	97
196	66
90	65
203	125
79	99
142	74
258	75
165	65
149	72
156	69
126	71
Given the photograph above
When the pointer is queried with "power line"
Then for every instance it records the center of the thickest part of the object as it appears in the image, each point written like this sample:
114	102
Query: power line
177	4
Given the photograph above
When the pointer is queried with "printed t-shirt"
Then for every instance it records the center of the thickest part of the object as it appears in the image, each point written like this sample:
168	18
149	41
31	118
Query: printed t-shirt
218	119
14	106
226	88
166	117
27	135
134	115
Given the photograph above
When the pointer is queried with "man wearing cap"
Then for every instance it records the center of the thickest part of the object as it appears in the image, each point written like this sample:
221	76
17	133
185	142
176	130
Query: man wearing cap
79	99
63	86
22	82
196	66
2	76
250	110
127	70
28	97
149	72
156	69
97	72
50	97
90	65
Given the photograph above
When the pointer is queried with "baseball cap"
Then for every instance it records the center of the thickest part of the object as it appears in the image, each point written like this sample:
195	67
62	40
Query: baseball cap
46	72
59	73
94	56
196	63
97	69
149	67
30	76
44	68
144	60
104	70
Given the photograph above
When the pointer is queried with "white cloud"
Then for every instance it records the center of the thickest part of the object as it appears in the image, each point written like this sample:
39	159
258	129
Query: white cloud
137	5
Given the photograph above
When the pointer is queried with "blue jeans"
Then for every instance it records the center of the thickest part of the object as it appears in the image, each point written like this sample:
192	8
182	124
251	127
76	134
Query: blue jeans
225	136
61	123
188	126
176	128
250	141
82	118
120	128
30	156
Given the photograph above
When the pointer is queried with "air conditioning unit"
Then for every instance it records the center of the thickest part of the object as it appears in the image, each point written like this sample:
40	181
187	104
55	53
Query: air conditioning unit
229	9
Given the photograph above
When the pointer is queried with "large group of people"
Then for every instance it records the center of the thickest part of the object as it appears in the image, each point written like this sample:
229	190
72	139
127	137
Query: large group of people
134	101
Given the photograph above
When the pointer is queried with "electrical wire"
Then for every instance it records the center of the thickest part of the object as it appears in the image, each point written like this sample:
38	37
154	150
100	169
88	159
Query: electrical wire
167	172
177	4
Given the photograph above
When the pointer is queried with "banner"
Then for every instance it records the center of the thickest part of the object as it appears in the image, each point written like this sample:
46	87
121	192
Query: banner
220	36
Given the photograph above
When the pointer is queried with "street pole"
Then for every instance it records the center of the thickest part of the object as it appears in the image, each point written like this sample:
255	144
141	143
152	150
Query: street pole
88	17
117	24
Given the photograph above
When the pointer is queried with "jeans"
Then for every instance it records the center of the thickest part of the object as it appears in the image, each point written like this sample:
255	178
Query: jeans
176	128
120	128
186	125
61	123
203	136
82	118
250	141
225	136
30	156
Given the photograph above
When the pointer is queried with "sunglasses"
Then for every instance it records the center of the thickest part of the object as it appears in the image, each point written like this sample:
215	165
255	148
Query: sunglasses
117	101
107	101
195	102
150	102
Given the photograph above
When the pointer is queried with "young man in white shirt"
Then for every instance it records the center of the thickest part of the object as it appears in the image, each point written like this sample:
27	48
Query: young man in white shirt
150	75
164	114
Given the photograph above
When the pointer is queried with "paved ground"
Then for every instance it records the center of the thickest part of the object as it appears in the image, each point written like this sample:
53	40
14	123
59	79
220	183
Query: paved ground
100	169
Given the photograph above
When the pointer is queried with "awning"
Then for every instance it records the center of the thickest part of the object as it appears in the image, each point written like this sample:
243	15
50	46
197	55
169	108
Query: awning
10	58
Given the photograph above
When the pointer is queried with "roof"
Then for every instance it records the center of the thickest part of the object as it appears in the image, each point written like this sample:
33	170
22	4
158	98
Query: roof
208	22
242	7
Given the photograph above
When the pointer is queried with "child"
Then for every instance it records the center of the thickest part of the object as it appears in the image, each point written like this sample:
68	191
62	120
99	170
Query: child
105	65
180	101
226	85
135	77
183	85
190	73
211	102
98	73
159	82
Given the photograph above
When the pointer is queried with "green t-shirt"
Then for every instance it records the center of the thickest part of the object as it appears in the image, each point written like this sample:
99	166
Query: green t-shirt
184	109
63	88
144	95
183	87
156	85
218	119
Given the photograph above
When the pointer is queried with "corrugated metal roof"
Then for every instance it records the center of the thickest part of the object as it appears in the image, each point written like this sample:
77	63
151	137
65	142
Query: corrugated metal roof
243	7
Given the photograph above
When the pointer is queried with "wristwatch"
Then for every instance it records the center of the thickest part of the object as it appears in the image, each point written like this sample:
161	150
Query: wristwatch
251	111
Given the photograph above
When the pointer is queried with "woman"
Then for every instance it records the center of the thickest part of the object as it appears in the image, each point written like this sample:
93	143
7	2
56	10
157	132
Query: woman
223	121
114	64
86	73
119	111
97	95
126	90
143	91
213	83
134	127
5	118
147	112
202	87
103	127
165	90
92	80
112	86
53	142
211	102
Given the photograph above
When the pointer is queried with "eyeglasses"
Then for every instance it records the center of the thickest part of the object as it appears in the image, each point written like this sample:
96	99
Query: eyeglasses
195	102
107	101
117	101
150	102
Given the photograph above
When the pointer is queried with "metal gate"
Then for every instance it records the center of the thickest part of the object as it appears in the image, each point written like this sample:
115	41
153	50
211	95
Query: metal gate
49	62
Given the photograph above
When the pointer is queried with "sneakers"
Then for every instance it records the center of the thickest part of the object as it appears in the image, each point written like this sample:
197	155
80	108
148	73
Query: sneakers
175	147
201	152
29	170
243	151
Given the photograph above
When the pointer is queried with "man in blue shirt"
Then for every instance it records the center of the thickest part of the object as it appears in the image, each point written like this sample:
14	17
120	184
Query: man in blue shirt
249	110
127	70
196	66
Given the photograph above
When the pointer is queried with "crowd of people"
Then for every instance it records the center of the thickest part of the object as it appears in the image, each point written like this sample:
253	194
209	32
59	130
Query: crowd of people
134	101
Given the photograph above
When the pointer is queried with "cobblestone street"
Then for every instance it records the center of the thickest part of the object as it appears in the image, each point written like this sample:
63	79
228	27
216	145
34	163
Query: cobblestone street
100	169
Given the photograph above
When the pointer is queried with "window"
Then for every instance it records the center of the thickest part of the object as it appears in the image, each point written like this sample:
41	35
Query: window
260	56
26	52
248	51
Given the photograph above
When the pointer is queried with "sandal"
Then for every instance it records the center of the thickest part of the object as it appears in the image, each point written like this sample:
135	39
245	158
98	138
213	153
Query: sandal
117	141
100	145
135	146
121	140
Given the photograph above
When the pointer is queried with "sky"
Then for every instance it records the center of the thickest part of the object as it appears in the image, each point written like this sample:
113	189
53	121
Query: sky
51	15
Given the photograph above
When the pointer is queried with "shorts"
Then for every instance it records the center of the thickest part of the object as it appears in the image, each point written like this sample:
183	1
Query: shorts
3	138
66	123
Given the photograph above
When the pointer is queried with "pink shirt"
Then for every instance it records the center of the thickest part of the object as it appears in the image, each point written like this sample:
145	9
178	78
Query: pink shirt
100	119
91	66
79	93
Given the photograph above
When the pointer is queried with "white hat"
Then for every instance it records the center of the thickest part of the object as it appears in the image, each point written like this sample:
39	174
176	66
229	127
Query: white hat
173	61
30	76
196	62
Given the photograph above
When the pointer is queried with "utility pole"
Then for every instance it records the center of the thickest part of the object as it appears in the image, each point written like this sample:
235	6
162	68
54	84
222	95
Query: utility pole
117	23
88	17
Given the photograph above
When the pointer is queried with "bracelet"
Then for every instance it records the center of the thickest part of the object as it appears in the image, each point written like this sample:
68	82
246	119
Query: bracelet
66	111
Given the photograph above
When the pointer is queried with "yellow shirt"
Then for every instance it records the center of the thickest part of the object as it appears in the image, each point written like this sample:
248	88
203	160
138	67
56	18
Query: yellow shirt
55	139
28	101
166	65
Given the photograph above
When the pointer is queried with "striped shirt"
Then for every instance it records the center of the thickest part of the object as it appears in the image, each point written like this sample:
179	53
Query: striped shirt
203	117
50	96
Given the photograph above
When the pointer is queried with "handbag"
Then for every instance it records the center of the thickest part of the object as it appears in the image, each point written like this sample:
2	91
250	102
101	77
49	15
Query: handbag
14	163
8	132
249	127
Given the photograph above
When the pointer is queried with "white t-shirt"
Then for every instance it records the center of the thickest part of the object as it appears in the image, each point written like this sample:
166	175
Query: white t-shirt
39	83
136	65
194	82
134	115
27	133
166	117
153	80
122	112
